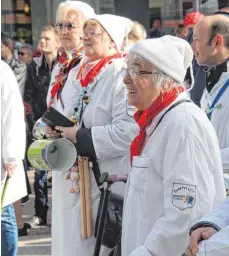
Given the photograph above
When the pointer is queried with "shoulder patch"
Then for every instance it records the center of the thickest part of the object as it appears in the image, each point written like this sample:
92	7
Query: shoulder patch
183	195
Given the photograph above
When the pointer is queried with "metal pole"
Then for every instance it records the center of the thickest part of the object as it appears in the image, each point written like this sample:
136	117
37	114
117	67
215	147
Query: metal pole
102	220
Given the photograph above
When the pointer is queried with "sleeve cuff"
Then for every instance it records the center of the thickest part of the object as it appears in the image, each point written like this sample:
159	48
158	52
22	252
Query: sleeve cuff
204	224
84	144
11	160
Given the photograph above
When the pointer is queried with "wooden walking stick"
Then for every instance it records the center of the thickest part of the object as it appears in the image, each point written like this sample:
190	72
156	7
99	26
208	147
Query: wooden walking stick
87	196
82	199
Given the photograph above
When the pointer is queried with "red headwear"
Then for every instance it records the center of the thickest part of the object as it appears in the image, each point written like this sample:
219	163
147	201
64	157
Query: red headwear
192	18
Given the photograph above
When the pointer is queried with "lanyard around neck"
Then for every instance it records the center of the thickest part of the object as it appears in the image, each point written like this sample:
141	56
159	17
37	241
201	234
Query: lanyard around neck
218	96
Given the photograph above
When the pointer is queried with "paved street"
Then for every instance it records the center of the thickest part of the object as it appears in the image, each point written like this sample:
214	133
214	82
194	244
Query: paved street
38	241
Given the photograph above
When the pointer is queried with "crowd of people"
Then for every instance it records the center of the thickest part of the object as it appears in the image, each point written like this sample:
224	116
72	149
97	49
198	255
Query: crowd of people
154	110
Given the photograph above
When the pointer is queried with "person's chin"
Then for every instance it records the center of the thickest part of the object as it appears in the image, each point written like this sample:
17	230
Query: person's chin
89	52
200	62
133	101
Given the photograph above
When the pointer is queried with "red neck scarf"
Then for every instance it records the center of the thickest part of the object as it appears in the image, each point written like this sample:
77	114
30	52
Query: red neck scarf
65	67
144	118
95	69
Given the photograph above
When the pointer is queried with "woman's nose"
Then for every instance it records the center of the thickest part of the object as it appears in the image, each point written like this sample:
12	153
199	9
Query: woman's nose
85	36
64	30
126	78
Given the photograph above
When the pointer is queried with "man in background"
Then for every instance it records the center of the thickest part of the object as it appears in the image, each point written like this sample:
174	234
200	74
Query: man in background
211	48
36	89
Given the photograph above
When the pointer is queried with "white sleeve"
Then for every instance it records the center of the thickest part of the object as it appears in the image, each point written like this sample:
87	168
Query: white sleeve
225	159
114	139
189	193
217	245
218	216
12	118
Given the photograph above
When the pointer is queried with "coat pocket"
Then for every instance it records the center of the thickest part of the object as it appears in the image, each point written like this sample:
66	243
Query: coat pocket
139	173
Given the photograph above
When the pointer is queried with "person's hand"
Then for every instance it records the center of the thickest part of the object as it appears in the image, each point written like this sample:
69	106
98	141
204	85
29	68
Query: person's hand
68	132
50	133
196	236
9	168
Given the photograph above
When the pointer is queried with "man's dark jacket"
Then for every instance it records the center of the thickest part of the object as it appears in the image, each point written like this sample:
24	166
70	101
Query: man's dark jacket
36	89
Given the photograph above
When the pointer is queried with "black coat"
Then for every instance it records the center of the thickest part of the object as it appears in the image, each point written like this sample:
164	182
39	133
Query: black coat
36	89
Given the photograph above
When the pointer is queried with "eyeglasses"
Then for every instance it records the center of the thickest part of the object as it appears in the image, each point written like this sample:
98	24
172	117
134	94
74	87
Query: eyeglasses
133	72
21	53
67	25
91	34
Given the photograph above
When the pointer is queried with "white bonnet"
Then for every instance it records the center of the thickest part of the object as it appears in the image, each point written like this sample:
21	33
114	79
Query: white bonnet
170	54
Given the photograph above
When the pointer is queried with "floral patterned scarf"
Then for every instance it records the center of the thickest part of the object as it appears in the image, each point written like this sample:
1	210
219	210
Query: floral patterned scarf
66	65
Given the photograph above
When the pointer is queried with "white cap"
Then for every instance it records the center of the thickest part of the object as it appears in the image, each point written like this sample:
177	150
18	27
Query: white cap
170	54
116	26
85	8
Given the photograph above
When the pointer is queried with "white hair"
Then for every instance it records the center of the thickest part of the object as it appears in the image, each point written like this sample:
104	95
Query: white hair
163	82
83	10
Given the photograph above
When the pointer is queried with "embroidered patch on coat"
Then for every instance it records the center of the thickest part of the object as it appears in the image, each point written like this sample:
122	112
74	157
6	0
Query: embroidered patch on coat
183	195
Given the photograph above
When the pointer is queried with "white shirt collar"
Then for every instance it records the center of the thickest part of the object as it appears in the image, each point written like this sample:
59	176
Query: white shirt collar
151	127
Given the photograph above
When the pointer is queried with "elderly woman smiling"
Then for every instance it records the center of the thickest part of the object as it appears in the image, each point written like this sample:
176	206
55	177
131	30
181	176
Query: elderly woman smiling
176	174
101	107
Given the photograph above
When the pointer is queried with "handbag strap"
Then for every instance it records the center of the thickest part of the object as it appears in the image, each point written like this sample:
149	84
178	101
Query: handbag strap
170	108
217	97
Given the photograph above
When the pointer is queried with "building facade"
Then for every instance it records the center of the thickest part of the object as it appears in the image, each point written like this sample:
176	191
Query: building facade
24	19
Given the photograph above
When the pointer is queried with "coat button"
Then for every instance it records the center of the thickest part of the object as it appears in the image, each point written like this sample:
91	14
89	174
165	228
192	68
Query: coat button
219	106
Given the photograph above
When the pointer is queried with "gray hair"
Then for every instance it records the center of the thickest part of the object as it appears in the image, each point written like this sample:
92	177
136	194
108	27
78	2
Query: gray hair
29	48
163	81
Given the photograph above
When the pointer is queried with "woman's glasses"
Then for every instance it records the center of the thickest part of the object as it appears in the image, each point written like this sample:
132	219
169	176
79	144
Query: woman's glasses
90	34
69	26
133	72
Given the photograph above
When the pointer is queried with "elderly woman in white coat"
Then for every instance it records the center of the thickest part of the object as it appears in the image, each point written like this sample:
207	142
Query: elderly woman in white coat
107	130
12	153
176	175
70	18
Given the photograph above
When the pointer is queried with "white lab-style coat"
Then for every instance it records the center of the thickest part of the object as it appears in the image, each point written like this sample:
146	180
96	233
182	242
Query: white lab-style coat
218	244
175	181
112	132
13	136
220	117
70	87
64	204
56	103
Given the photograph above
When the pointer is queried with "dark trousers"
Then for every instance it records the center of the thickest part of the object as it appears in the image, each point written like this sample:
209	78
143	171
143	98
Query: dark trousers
41	194
27	178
